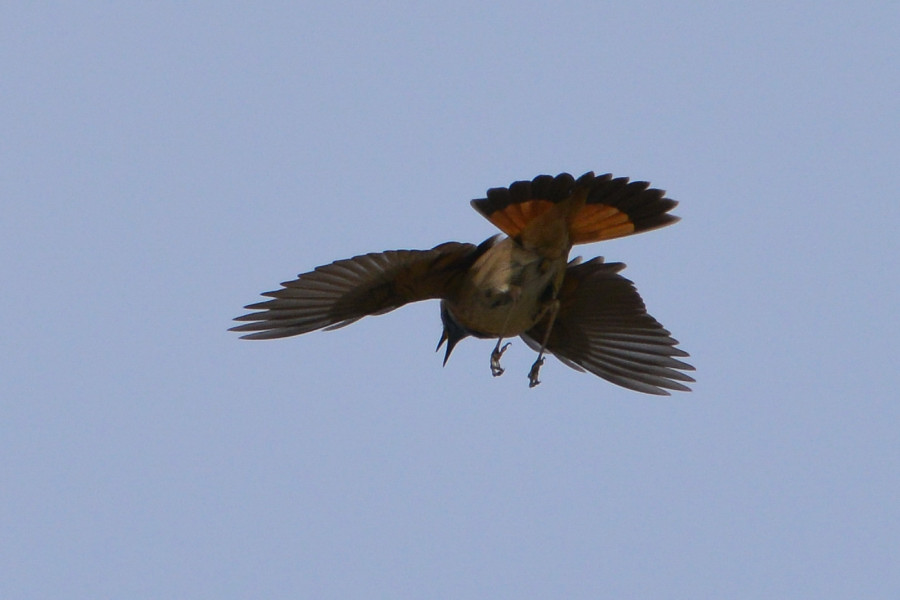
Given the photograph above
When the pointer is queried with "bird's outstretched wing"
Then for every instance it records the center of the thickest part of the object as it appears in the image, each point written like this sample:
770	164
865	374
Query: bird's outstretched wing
603	327
613	207
345	291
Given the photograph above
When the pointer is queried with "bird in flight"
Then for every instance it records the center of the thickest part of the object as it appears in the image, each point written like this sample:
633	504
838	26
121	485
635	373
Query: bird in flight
585	313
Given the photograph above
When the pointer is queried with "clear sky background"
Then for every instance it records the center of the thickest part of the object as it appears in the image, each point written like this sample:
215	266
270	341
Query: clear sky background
164	163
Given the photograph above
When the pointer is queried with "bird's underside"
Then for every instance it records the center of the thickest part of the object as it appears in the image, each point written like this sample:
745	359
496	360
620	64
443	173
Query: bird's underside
584	313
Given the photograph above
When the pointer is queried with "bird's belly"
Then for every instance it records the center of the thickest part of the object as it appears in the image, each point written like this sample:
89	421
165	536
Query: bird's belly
506	291
507	320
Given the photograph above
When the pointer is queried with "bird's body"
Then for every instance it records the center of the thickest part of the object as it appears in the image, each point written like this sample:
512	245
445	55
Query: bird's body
504	293
522	285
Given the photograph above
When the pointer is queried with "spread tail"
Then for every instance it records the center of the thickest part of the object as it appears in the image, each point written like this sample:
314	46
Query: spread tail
613	207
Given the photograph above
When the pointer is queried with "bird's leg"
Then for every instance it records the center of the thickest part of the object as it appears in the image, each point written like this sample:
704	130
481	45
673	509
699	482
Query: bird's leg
496	369
552	308
535	370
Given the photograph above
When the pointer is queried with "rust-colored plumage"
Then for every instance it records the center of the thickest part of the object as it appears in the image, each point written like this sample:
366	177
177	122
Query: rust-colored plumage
586	314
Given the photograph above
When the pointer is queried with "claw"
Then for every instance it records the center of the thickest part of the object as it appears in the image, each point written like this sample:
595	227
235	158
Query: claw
496	369
535	370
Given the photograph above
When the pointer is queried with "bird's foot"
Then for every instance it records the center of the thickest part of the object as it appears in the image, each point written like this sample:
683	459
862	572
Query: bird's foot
535	370
496	369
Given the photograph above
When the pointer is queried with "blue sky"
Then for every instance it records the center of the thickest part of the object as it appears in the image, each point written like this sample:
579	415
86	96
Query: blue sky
162	164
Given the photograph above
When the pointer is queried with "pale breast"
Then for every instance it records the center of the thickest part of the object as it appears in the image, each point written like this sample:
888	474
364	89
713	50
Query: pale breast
505	291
